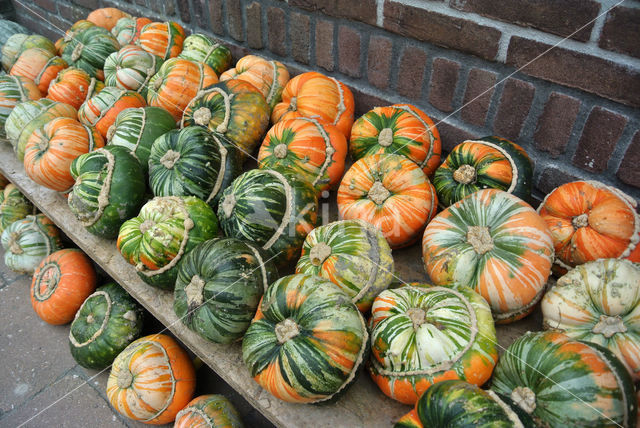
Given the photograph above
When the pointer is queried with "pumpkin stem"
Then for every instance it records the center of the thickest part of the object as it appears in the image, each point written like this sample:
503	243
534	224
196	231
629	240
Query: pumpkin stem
111	132
130	315
125	379
77	51
170	158
14	247
378	193
202	116
43	144
286	330
608	326
417	316
280	151
228	204
194	291
385	138
146	225
480	239
579	221
90	319
157	83
293	104
465	174
319	253
525	398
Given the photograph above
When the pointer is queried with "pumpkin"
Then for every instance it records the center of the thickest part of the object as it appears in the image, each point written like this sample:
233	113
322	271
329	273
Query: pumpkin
274	210
563	382
352	254
131	68
234	108
176	83
589	221
166	229
307	340
201	48
39	65
269	77
219	285
101	109
127	30
151	380
108	321
14	206
10	28
109	189
13	91
455	403
29	116
163	39
137	129
599	302
88	49
18	43
26	242
73	86
308	148
106	17
422	335
313	94
209	411
61	283
193	162
401	129
390	192
487	163
77	28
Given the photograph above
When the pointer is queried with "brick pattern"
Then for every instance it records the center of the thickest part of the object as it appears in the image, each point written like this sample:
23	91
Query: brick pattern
379	61
361	10
349	41
621	32
629	171
324	44
300	37
555	124
444	77
599	137
515	104
254	25
411	72
477	96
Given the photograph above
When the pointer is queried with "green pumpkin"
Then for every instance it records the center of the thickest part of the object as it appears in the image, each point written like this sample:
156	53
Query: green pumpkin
105	324
131	68
28	241
88	50
272	209
220	283
200	48
193	162
213	411
9	28
109	189
14	206
19	43
166	229
13	91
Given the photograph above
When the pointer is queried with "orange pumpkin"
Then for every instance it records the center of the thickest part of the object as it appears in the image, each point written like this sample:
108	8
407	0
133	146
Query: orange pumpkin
151	380
589	221
163	39
102	109
313	94
390	192
74	86
107	17
60	285
52	147
39	65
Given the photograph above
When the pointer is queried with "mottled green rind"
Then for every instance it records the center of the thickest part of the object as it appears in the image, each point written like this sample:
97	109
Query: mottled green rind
98	43
197	48
14	206
217	408
31	235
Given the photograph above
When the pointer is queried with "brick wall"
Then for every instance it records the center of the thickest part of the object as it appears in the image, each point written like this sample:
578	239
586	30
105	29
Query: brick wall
477	67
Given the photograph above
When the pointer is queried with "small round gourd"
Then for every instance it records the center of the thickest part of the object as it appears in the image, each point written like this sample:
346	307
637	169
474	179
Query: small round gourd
28	241
131	68
13	91
201	48
101	110
213	411
163	39
73	86
14	206
106	17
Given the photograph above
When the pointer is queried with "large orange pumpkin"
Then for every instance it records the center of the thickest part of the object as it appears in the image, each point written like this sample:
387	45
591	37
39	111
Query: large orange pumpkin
313	94
60	285
39	65
107	17
102	109
73	86
163	39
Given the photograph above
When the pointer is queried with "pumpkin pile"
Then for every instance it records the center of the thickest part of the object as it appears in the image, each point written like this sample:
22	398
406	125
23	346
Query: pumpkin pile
146	131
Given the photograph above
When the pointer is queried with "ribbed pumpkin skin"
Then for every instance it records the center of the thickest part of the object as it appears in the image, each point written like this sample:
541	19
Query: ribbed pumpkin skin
220	283
312	150
274	210
201	48
166	229
13	91
576	383
589	221
163	39
14	206
18	43
314	94
26	242
137	129
269	77
244	120
422	335
39	65
401	129
599	302
494	243
131	68
106	17
487	163
127	30
390	192
10	29
51	149
102	109
358	259
109	189
151	380
89	48
73	86
193	162
209	411
105	324
60	285
77	28
325	355
176	83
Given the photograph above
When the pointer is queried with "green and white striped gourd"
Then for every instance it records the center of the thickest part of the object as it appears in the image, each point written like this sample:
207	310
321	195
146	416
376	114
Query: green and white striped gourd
26	242
212	411
13	91
89	48
131	68
14	206
18	43
200	48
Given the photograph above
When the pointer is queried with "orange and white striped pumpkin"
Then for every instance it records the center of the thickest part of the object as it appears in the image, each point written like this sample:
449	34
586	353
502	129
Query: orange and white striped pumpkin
73	86
163	39
39	65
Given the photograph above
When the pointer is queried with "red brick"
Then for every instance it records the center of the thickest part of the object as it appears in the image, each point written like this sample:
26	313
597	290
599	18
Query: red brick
411	72
49	5
234	19
71	12
379	61
599	137
561	17
451	136
324	44
199	7
349	51
183	8
254	25
621	31
450	32
629	170
215	16
553	177
277	28
577	70
300	38
555	124
514	107
360	10
444	78
88	4
477	96
170	8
